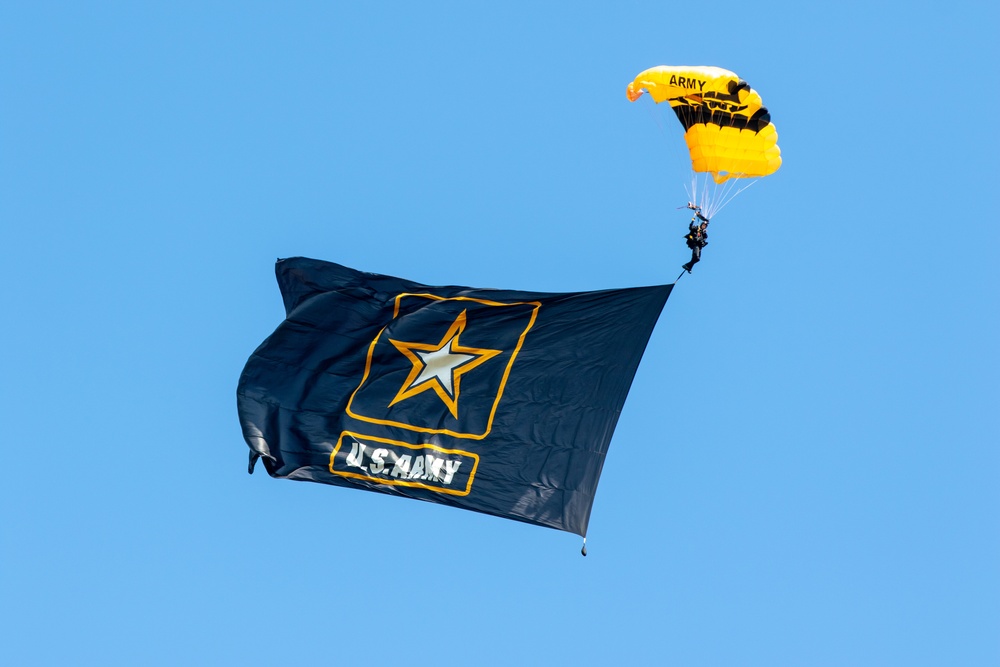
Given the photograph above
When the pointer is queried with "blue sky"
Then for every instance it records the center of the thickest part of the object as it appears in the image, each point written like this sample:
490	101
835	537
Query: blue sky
806	469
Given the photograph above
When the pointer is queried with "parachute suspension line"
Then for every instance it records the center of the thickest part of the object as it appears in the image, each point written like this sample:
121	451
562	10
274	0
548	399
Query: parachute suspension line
722	195
698	194
701	195
713	197
723	192
711	189
721	199
706	196
692	193
732	196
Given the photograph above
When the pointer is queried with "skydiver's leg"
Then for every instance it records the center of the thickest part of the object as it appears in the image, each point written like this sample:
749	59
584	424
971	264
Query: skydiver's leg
695	258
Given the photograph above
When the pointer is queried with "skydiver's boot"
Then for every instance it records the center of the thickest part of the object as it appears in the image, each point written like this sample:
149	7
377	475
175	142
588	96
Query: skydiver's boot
686	267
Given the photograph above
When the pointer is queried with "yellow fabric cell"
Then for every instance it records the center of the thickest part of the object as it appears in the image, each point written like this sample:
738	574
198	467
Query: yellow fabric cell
728	130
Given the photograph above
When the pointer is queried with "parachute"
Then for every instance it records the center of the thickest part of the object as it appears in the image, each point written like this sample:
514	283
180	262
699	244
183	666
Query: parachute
727	128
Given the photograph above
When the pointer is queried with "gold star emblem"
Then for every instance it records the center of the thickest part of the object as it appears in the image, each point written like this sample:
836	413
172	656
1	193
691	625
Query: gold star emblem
440	367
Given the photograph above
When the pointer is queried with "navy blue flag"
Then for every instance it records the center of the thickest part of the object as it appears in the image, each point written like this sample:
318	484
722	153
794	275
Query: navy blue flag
496	401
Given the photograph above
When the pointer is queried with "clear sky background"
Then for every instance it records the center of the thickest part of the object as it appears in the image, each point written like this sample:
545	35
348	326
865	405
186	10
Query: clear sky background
805	472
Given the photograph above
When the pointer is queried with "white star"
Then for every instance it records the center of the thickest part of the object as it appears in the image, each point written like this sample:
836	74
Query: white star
440	366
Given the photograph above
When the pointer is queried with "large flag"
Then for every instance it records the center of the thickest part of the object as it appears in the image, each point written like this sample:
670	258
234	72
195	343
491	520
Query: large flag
496	401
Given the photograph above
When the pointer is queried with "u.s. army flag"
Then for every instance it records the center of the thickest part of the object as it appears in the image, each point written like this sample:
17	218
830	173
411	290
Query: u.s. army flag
496	401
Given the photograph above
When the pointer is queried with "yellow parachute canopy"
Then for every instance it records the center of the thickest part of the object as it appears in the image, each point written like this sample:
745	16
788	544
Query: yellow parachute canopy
727	128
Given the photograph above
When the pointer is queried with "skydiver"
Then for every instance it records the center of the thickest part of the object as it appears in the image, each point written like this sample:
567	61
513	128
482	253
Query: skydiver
697	237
